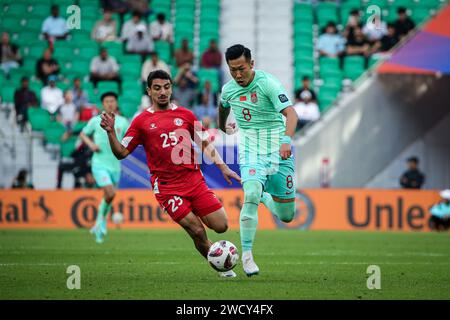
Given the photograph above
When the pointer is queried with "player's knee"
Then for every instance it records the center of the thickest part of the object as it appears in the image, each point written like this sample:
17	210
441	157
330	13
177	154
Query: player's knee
286	211
221	227
197	233
252	192
109	196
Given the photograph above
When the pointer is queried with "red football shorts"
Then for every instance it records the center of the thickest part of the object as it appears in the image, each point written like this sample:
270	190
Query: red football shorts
198	199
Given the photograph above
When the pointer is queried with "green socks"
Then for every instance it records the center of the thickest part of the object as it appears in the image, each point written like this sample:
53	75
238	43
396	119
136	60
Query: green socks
285	211
249	213
103	210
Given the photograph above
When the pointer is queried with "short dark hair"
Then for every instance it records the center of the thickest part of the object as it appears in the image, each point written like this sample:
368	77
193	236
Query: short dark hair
160	16
401	10
413	159
136	13
236	51
108	94
354	11
24	78
157	74
305	78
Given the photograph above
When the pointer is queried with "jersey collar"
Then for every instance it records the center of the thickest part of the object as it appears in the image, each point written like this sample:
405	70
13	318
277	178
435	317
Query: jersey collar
173	106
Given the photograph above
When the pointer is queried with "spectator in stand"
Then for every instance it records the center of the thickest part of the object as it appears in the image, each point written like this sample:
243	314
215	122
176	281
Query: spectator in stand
68	113
358	45
105	29
353	21
9	54
21	181
331	44
403	25
55	27
387	42
88	111
129	27
185	72
185	83
46	66
51	96
306	86
440	212
152	64
161	30
412	178
307	110
24	98
208	91
184	54
80	96
206	112
375	30
139	6
212	58
104	68
140	43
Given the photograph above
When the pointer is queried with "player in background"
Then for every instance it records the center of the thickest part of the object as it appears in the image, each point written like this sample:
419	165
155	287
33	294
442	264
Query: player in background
105	166
258	101
166	131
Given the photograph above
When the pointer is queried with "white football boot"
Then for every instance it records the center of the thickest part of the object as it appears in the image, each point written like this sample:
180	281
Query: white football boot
228	274
250	267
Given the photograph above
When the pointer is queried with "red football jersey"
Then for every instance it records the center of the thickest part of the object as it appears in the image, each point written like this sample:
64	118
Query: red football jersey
167	137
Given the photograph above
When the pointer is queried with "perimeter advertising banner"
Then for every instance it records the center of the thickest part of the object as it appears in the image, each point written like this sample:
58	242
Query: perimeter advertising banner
317	209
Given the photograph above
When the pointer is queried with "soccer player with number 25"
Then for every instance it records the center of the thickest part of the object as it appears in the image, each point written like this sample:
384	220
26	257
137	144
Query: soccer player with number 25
258	101
166	131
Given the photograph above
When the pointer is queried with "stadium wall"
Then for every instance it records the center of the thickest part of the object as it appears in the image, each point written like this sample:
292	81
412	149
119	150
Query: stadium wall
317	209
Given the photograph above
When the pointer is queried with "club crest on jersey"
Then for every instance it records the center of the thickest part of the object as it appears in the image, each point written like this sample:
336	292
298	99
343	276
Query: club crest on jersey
152	125
252	172
254	97
178	122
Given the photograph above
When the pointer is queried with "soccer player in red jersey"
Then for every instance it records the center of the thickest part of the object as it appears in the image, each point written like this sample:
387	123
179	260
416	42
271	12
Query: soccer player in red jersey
166	132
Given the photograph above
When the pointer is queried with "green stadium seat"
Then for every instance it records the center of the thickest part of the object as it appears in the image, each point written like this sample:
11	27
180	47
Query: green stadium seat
53	132
163	49
7	92
420	14
78	126
179	36
181	4
326	11
82	35
36	87
104	86
68	146
18	10
114	49
12	23
333	81
207	14
128	109
33	24
326	97
209	74
329	63
353	67
87	53
41	10
304	13
38	118
79	68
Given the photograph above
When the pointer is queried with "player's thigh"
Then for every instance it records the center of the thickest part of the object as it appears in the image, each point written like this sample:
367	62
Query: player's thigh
281	184
216	220
176	207
102	177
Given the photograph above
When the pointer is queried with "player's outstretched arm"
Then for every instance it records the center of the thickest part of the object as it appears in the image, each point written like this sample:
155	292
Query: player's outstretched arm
107	124
210	151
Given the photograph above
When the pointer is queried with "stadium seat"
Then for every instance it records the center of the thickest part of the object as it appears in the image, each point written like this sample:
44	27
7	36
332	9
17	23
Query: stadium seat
330	65
209	74
353	67
68	146
163	49
53	132
18	10
41	11
420	14
104	86
38	118
326	11
7	92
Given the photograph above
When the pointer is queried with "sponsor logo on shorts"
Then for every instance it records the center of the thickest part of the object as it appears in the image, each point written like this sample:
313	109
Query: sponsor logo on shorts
283	98
289	192
178	122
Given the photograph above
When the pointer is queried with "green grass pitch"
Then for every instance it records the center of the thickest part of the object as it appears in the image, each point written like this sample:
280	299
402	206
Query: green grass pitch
162	264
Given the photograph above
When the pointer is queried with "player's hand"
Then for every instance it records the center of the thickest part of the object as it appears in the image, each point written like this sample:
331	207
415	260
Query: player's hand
231	128
95	148
285	151
229	174
107	122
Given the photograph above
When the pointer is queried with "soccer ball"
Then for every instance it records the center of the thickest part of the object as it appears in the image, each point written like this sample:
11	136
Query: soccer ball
223	255
117	217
